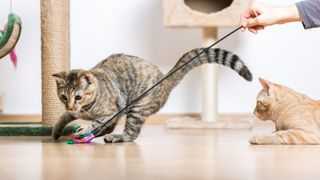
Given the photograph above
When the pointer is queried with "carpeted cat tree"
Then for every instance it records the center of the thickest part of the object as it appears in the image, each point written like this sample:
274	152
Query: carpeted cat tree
208	15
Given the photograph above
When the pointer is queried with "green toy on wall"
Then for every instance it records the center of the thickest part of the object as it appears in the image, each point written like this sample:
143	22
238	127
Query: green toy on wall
10	36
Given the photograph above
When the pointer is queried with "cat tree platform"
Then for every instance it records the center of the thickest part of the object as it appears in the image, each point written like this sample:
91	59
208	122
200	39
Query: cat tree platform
208	15
203	13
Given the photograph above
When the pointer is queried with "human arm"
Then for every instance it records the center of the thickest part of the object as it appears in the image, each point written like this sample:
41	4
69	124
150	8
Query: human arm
309	12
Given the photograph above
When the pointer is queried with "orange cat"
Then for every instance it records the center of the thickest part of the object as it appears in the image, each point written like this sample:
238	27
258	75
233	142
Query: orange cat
296	116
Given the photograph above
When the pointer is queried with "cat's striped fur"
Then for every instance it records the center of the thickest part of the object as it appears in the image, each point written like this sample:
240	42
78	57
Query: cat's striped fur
99	93
295	115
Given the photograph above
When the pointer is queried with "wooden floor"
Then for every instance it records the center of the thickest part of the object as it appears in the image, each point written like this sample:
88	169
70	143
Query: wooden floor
159	153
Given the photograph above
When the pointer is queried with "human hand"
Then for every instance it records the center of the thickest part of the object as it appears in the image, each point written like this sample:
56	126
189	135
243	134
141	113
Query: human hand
260	15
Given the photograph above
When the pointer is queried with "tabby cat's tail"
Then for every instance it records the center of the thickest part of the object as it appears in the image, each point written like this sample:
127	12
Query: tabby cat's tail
212	55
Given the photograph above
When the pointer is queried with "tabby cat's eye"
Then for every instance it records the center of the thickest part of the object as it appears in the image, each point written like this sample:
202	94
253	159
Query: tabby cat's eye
63	97
77	98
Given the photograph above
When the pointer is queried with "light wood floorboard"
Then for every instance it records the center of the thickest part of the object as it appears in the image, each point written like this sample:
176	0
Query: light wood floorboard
159	153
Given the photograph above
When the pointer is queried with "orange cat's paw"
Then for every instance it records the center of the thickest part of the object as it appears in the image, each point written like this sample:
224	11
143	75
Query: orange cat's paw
254	140
262	140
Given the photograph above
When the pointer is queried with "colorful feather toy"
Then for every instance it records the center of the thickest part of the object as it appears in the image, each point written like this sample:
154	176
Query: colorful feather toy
85	138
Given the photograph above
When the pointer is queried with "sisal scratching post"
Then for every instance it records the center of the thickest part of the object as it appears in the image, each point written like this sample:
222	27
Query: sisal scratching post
208	15
55	47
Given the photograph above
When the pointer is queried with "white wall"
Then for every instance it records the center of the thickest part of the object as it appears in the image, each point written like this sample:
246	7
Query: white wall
22	86
287	54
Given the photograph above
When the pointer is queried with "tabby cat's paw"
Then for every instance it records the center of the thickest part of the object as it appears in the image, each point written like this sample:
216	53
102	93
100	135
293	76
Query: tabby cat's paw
83	130
116	138
55	134
113	138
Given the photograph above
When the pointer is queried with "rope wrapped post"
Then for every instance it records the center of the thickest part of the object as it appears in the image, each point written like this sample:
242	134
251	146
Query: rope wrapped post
55	55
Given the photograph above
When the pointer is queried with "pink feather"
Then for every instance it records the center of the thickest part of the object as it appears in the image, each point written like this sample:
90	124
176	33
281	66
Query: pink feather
13	58
13	55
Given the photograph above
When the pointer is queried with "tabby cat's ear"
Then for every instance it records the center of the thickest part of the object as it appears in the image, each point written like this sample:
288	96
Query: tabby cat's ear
61	77
265	84
87	76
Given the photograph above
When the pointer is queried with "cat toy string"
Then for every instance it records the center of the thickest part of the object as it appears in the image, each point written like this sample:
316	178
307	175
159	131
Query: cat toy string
156	84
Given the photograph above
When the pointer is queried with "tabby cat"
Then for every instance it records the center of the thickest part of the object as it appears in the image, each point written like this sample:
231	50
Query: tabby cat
296	116
99	93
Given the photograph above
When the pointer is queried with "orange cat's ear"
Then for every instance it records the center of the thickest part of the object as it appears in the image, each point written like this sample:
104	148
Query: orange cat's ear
265	84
